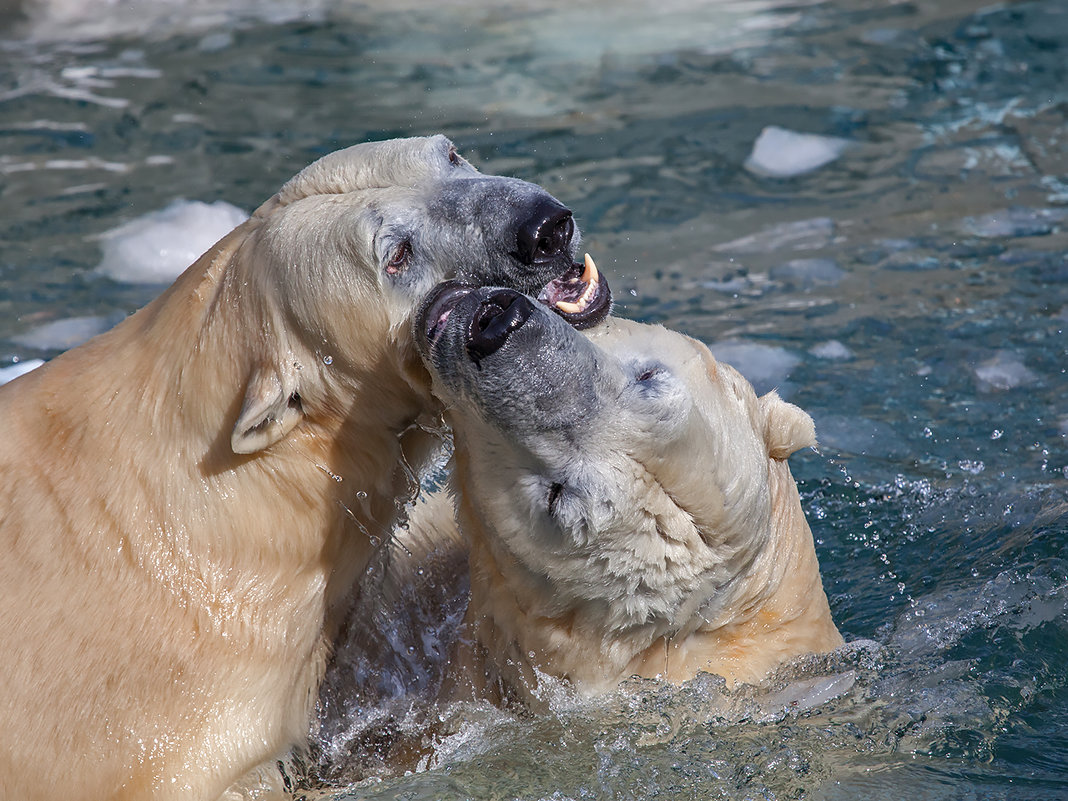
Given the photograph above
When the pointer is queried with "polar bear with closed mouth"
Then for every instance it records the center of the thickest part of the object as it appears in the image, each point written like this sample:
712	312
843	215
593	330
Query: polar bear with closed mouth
187	500
626	502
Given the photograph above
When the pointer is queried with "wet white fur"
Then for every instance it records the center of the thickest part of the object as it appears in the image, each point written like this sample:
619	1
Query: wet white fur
678	543
185	500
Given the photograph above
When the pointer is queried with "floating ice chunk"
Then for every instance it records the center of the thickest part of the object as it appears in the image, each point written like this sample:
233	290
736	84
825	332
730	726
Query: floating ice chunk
1004	370
832	350
765	366
812	234
807	273
782	153
156	248
64	334
18	368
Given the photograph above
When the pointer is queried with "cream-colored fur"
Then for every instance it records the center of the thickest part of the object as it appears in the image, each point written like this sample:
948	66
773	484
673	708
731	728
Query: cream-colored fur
676	542
186	500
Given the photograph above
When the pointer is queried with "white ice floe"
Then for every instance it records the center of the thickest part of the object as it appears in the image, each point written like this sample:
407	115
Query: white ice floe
765	366
832	350
782	153
157	247
1004	370
13	371
64	334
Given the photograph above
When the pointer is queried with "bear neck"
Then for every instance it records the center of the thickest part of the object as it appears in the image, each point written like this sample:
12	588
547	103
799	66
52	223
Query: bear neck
302	517
778	608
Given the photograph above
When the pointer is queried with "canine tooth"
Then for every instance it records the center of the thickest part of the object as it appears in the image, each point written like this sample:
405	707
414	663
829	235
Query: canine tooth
590	276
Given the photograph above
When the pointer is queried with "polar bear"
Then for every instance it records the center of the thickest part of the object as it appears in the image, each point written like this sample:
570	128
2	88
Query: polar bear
188	498
626	502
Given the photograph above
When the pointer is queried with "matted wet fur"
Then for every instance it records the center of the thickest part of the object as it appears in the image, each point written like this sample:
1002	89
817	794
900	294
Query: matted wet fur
188	498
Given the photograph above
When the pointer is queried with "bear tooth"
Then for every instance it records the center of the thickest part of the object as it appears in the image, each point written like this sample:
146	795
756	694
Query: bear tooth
590	276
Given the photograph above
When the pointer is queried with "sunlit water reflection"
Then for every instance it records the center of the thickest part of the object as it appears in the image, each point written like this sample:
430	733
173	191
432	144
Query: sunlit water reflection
908	288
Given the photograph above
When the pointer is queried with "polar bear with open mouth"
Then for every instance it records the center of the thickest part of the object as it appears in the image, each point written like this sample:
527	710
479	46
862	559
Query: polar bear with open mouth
187	500
626	502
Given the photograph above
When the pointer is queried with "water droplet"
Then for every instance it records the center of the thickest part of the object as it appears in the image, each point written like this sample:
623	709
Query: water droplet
927	432
361	495
328	360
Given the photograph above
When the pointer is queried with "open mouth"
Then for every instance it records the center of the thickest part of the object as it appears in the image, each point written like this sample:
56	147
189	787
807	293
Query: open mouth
581	295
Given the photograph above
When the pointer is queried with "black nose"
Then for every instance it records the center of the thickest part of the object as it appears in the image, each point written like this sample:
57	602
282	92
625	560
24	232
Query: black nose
546	234
499	315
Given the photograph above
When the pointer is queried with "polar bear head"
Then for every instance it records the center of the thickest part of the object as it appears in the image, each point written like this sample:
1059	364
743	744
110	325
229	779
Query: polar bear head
621	480
328	272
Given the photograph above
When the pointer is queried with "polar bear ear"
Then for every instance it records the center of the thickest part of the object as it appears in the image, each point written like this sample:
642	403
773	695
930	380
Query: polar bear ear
787	428
271	409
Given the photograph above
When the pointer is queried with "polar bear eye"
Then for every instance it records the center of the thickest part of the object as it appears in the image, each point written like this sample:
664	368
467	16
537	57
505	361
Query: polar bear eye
401	256
648	373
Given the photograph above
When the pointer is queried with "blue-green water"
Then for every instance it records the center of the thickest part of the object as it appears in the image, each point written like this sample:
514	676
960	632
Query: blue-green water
912	294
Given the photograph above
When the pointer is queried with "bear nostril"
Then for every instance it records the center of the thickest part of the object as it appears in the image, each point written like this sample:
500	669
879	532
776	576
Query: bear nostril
499	315
546	234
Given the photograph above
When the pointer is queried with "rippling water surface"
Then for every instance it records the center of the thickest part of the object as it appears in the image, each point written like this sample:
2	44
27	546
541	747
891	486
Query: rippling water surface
901	276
